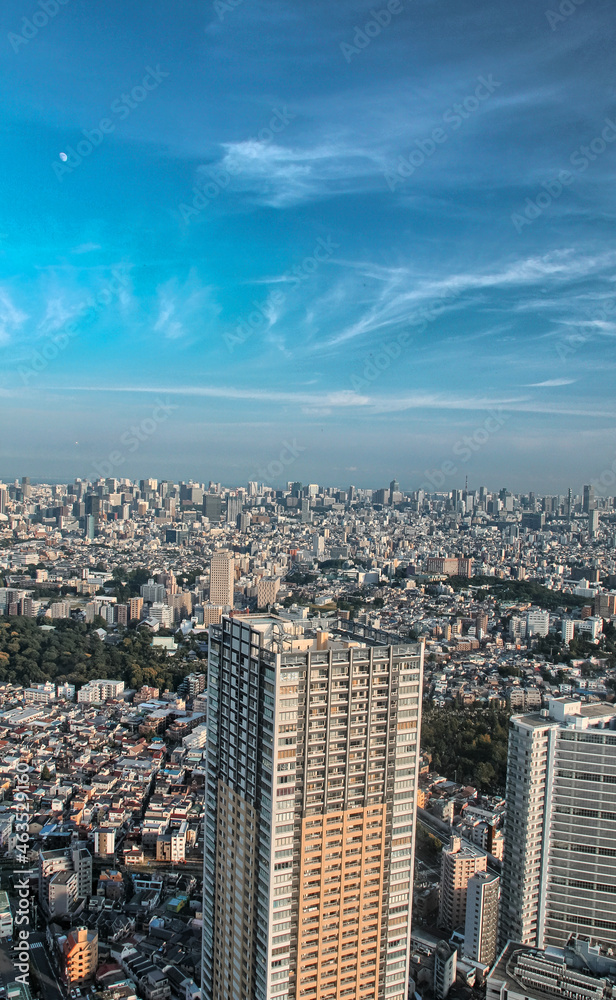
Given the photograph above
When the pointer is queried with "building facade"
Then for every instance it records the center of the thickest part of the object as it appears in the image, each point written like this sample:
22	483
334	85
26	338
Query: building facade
481	923
559	865
459	862
312	772
222	578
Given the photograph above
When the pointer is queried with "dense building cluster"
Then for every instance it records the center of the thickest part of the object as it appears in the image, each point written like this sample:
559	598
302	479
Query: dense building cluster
221	756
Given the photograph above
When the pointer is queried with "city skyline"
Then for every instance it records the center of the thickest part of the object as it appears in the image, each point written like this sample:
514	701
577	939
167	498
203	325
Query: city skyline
367	232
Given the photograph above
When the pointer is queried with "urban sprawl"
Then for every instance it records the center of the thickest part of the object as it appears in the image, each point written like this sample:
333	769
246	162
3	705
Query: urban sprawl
307	742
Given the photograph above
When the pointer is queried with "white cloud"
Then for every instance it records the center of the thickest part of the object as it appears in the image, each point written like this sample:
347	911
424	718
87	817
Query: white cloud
183	308
11	317
280	176
550	383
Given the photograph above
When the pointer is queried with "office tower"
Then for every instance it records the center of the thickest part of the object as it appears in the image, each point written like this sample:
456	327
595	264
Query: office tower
312	771
212	507
26	489
234	509
94	506
481	923
296	489
222	578
191	494
305	513
458	865
318	545
569	504
90	528
593	521
559	866
588	502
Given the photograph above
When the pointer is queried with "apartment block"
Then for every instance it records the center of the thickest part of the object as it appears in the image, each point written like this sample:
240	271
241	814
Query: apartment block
99	691
459	862
559	865
481	923
222	578
312	774
79	955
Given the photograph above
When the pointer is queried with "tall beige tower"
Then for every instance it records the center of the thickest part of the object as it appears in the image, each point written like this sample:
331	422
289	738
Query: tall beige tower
222	578
312	776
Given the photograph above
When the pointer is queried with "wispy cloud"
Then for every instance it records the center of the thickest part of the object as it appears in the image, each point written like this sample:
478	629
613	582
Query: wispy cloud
404	293
550	383
184	308
12	317
282	176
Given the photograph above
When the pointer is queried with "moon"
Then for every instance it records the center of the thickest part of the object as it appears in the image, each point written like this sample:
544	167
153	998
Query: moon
63	157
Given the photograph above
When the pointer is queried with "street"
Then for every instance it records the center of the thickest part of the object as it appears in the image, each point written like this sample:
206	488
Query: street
49	985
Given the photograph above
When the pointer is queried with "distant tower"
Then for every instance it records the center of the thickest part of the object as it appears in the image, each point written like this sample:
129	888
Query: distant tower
589	499
222	578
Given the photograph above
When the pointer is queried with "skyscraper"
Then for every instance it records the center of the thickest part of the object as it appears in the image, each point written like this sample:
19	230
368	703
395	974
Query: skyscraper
589	499
559	866
480	927
222	578
312	766
234	509
212	507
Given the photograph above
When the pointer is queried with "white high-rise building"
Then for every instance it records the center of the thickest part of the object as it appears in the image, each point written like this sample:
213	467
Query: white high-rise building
537	622
222	578
559	866
480	928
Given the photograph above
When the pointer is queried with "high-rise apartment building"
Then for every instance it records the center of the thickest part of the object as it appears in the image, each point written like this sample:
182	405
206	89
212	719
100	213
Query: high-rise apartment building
481	923
559	866
312	772
459	862
234	509
79	955
135	607
152	592
222	578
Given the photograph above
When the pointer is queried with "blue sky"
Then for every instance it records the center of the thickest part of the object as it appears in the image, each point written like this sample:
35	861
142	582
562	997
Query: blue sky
299	225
